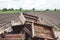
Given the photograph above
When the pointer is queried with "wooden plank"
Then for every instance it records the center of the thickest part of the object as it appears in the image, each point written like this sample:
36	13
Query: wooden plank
27	31
33	33
30	15
22	18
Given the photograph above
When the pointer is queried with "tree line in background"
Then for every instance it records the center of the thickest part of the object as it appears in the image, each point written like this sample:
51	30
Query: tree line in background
33	9
49	9
5	9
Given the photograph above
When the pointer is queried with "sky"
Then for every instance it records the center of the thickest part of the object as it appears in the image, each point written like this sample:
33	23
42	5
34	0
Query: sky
29	4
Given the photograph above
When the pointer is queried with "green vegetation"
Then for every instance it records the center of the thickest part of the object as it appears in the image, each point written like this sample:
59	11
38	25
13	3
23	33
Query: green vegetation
55	10
58	29
14	11
5	10
33	9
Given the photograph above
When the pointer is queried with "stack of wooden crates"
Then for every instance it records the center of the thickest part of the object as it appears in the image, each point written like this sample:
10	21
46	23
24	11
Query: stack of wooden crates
29	29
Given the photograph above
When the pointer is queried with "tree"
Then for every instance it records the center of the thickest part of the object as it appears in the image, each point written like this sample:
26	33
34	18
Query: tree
5	9
10	9
55	9
33	9
20	9
47	9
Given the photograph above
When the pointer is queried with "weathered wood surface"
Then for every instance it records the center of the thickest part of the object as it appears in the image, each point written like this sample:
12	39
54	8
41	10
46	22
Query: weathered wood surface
43	32
13	37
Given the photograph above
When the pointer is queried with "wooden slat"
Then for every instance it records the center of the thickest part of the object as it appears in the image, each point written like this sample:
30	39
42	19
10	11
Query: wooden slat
30	15
22	18
11	39
27	31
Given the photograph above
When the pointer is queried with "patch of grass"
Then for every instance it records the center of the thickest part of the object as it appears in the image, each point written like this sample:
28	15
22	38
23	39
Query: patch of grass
14	11
17	11
58	29
5	12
